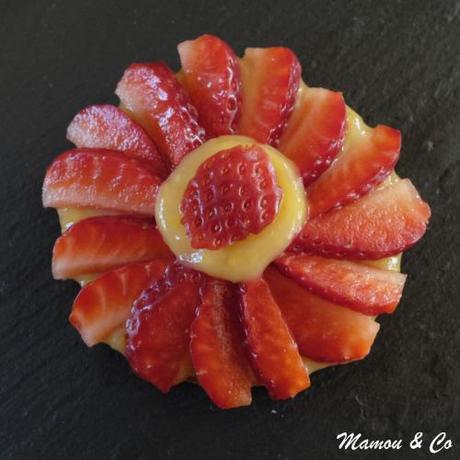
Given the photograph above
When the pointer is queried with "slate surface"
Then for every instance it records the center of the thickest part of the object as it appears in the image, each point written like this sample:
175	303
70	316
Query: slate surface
397	63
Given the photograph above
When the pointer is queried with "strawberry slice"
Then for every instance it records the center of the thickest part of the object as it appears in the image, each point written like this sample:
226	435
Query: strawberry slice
103	305
383	223
367	160
234	193
99	244
365	289
159	328
323	331
154	98
108	127
217	346
315	131
101	179
274	353
270	80
211	76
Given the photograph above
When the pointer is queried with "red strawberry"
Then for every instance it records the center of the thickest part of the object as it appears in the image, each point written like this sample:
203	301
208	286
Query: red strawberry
217	346
323	331
381	224
363	164
274	353
98	244
270	80
104	304
151	94
315	131
159	328
104	179
212	78
234	193
365	289
108	127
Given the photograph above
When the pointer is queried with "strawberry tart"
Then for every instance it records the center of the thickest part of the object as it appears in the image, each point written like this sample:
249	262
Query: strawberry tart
229	224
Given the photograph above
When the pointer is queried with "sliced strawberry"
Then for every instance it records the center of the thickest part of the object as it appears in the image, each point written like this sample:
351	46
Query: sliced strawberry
101	179
381	224
108	127
211	76
234	193
366	161
274	353
104	304
219	356
365	289
270	80
323	331
159	328
315	131
151	94
99	244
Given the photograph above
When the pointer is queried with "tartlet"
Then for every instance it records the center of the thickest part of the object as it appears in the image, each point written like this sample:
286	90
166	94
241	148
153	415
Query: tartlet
229	224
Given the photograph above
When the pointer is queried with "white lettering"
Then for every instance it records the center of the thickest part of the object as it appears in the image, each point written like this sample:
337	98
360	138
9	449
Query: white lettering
354	442
348	439
440	443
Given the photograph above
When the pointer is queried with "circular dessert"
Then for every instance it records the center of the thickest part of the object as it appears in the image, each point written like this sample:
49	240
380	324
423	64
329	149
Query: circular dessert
229	224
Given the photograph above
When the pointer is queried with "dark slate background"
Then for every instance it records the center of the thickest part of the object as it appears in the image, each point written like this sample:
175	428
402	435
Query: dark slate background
397	63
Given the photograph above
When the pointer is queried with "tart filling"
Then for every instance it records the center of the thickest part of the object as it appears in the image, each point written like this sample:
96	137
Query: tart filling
230	225
242	260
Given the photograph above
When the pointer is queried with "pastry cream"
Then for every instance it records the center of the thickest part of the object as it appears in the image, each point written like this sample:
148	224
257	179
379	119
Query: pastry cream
245	259
69	216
